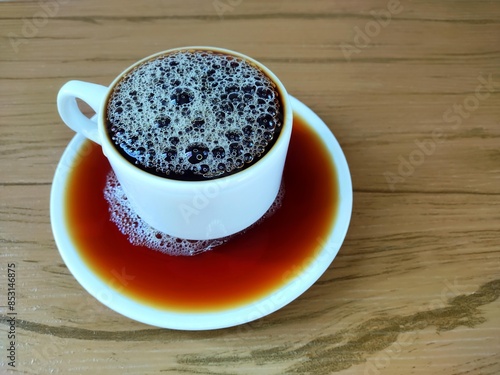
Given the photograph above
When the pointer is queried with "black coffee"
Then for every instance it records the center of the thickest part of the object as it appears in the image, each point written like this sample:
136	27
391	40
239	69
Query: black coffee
194	115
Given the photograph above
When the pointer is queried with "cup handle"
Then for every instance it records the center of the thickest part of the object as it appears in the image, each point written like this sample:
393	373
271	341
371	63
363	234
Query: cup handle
68	109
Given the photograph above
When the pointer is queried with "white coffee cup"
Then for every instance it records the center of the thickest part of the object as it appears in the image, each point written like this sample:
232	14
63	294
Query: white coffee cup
195	210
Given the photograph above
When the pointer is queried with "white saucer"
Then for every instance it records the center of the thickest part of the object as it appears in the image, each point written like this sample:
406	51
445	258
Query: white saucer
136	310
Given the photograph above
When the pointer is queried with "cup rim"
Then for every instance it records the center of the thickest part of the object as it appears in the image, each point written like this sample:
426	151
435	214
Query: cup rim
110	150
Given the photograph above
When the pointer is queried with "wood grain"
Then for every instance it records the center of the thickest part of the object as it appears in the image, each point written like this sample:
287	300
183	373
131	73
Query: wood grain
415	288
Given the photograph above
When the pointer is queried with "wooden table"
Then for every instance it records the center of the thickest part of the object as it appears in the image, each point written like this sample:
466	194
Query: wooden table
411	91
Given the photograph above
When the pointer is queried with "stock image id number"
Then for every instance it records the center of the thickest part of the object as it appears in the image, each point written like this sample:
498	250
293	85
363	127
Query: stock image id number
11	286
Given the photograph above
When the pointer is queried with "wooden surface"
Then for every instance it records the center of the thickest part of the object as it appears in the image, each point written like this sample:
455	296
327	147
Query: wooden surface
414	101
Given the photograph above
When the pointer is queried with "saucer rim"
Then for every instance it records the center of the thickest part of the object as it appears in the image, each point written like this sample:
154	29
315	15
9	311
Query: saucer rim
196	321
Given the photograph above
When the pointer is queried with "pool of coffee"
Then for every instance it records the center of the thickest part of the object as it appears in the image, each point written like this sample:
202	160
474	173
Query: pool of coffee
249	266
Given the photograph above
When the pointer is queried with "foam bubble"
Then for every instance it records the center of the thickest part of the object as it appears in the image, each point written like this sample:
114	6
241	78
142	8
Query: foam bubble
139	233
167	106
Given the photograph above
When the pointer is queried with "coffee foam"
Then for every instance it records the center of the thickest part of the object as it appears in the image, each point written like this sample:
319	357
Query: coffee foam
139	233
196	112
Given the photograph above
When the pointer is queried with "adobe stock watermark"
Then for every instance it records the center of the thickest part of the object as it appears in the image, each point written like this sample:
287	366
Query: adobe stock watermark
201	199
44	356
383	359
454	115
363	38
115	284
75	156
31	26
295	281
407	338
224	6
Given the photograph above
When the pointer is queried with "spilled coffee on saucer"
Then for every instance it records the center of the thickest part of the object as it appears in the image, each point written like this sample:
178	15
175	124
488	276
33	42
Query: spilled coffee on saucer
194	115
